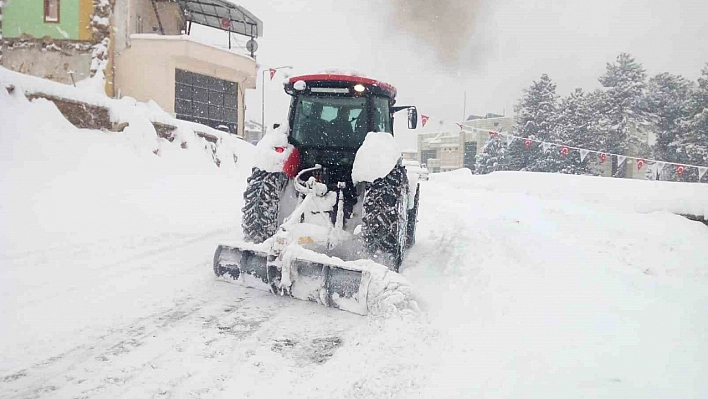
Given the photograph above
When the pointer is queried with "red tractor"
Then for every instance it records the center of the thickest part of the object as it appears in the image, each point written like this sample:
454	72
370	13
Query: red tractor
309	220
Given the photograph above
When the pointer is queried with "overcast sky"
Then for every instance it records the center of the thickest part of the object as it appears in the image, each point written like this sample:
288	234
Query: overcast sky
435	51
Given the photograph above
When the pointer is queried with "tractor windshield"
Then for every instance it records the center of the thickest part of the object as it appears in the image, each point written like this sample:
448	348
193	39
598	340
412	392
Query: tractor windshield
330	121
327	121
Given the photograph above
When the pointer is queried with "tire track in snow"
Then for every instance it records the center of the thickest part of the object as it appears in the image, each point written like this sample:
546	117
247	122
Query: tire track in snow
126	352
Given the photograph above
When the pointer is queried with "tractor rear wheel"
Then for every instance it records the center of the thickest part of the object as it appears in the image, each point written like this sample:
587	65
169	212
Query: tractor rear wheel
261	204
385	218
413	219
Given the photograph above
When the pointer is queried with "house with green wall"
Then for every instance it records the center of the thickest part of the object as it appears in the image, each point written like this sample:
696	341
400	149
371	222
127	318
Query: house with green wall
52	39
56	19
138	48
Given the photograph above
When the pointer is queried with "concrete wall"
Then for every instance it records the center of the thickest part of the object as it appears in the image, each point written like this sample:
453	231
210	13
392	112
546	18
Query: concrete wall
146	69
143	19
26	17
53	65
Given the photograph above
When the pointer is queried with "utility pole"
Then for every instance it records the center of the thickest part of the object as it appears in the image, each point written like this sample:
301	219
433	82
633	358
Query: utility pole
464	107
263	126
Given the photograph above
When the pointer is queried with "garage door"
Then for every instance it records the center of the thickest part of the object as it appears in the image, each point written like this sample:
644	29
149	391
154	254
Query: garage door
206	100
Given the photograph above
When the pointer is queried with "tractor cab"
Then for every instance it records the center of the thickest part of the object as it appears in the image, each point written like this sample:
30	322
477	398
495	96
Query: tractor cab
330	116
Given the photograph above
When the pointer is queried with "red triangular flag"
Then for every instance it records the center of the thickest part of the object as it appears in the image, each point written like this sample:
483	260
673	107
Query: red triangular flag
527	143
603	157
424	119
640	163
272	73
564	151
680	170
493	133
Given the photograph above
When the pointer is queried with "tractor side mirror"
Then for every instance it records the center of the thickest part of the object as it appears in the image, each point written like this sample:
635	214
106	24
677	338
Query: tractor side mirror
412	118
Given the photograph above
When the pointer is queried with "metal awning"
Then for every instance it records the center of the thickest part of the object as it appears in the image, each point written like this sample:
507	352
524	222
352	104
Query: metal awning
221	14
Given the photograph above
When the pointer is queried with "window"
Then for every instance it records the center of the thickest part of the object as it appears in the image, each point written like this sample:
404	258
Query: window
206	100
51	11
382	115
325	122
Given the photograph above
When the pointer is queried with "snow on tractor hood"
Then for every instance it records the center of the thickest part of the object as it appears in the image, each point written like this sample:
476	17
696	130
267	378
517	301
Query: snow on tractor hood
375	158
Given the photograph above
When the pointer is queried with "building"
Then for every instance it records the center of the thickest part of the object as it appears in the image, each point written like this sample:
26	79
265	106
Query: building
142	47
449	150
253	132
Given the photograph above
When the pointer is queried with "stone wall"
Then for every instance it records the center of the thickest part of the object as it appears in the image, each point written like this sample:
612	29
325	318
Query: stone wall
48	59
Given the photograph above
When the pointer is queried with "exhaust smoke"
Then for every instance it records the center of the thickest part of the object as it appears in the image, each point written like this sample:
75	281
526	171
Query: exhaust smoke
445	25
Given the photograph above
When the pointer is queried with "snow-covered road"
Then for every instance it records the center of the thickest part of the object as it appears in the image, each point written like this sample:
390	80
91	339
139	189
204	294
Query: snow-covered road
525	294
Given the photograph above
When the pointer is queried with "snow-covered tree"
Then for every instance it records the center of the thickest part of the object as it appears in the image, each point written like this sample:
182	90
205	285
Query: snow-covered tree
492	158
668	100
693	146
622	114
535	118
574	127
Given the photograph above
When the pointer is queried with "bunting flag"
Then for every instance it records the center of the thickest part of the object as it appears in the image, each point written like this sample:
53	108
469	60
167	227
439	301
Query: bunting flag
583	154
424	119
640	163
566	149
272	73
660	167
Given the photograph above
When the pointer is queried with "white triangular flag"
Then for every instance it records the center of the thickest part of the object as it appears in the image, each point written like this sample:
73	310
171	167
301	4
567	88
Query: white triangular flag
546	146
660	167
583	154
701	172
509	139
621	159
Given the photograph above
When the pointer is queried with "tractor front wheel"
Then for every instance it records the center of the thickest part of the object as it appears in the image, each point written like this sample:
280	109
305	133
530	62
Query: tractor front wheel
261	204
385	218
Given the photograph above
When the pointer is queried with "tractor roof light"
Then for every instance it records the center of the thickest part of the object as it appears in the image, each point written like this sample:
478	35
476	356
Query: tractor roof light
359	88
299	85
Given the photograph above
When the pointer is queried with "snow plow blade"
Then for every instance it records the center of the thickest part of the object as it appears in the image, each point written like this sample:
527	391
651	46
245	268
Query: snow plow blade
328	284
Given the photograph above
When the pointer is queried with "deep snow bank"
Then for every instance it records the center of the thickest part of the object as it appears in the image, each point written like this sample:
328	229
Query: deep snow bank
642	196
62	185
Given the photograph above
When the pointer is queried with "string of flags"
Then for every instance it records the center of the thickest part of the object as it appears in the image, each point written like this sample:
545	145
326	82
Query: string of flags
602	155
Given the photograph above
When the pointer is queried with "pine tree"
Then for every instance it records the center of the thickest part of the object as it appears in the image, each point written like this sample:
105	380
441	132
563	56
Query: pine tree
668	101
492	158
623	110
693	146
535	119
573	127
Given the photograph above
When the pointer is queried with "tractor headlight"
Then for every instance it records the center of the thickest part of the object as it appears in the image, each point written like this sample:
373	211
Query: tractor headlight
359	88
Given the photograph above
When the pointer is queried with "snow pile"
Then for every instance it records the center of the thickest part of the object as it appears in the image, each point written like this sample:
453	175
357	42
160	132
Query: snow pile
267	158
62	185
628	194
32	84
376	157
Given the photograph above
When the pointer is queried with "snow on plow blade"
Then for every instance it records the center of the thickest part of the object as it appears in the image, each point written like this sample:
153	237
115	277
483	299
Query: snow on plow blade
360	287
